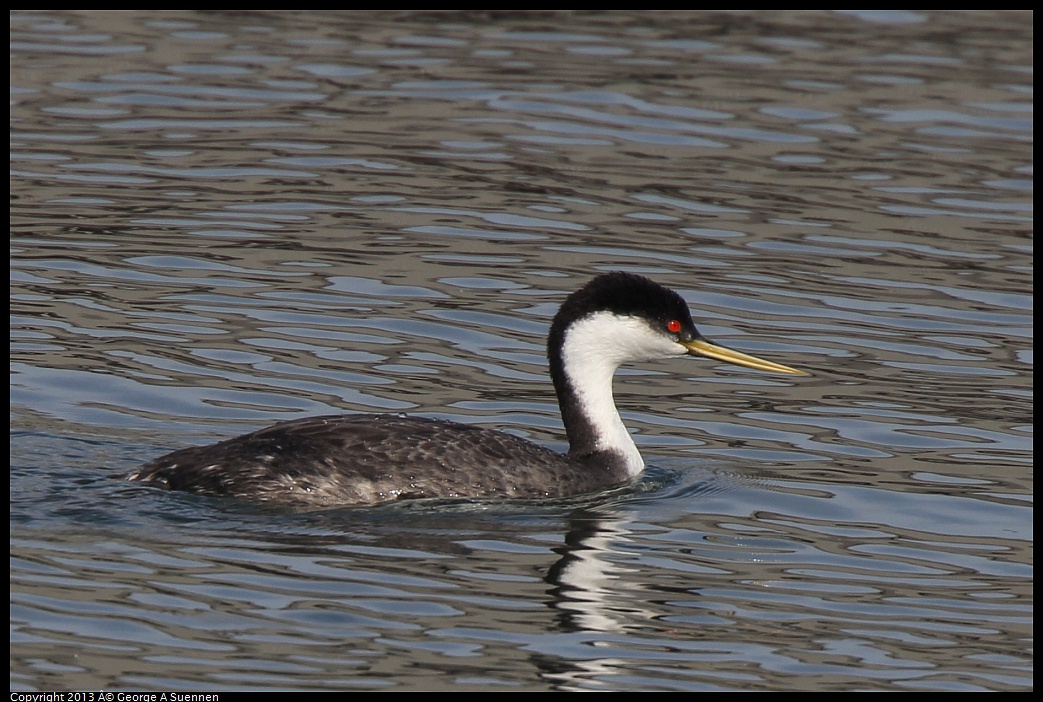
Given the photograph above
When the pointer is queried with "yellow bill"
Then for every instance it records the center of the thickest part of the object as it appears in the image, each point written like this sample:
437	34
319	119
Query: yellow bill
702	347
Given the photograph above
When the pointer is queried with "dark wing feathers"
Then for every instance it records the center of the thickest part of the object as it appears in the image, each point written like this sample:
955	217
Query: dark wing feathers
366	459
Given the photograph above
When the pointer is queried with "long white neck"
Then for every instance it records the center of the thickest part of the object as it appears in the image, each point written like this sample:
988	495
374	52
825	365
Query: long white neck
591	350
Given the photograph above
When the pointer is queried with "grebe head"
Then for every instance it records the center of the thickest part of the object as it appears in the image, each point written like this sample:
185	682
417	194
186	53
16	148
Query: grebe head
615	318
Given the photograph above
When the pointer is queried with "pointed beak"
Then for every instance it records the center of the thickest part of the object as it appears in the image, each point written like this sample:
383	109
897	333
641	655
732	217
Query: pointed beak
702	347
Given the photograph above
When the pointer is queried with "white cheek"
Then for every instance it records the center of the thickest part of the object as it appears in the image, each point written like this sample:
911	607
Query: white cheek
644	344
623	339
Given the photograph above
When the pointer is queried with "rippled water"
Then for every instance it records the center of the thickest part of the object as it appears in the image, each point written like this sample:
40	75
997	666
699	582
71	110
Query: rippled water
220	220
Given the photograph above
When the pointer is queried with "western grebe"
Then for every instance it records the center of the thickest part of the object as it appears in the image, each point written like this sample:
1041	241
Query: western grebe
369	459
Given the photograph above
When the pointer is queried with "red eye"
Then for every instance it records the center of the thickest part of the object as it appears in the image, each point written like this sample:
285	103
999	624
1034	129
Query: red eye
673	325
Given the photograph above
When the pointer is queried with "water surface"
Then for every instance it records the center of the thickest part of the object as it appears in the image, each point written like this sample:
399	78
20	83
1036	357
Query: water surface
222	220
